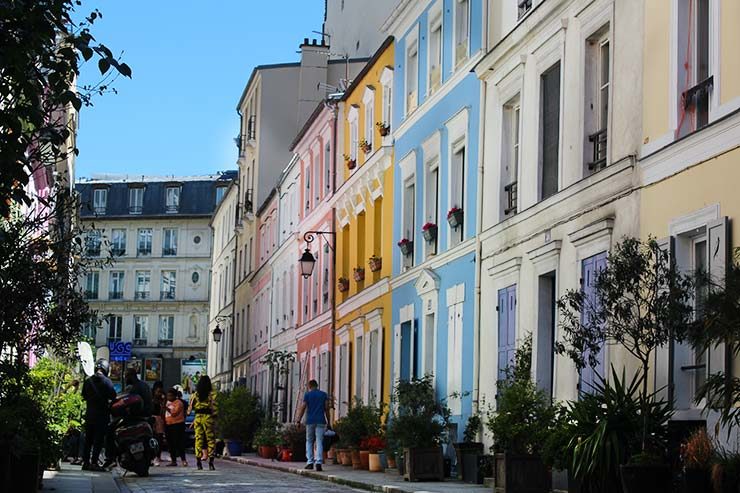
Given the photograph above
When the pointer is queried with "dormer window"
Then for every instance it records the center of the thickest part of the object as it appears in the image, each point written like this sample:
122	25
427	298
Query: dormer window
135	200
100	200
172	199
220	192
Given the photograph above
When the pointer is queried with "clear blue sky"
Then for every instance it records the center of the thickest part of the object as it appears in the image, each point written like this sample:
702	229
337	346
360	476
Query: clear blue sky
190	62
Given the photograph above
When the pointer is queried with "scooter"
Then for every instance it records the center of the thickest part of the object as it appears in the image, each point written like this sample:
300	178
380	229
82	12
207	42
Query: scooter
133	436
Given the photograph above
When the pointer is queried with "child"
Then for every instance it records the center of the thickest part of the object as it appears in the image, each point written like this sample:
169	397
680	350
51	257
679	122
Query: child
175	428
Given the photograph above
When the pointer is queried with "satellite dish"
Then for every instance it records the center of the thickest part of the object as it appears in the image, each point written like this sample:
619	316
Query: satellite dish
86	358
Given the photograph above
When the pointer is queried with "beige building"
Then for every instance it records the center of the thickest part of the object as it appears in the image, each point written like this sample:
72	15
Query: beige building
155	293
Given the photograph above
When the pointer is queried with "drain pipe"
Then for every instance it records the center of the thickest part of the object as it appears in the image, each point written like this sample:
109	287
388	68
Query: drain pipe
478	249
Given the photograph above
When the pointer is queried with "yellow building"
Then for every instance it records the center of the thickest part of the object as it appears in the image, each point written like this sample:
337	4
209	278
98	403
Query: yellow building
690	161
364	215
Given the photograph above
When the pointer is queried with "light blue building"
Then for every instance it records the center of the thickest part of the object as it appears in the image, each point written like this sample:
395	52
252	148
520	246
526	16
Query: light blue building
435	124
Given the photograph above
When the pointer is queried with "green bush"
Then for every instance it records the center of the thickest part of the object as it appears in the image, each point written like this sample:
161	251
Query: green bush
420	420
361	422
268	434
239	413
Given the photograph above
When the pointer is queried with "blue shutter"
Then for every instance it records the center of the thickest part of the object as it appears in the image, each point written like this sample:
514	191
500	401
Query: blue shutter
506	329
405	373
590	268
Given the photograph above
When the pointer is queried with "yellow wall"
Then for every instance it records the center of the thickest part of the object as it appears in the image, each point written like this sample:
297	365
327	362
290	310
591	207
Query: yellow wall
656	77
729	41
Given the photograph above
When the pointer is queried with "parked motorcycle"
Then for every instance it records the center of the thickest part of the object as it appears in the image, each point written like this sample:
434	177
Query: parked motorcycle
133	436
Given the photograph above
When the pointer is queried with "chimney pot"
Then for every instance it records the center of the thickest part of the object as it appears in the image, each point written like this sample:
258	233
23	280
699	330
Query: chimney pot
305	41
313	41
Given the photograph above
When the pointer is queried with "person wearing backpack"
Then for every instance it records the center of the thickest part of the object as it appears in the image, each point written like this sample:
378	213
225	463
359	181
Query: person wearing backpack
98	393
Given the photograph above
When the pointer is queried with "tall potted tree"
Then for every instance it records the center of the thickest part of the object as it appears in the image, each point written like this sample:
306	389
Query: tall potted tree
640	302
268	438
418	427
238	414
468	450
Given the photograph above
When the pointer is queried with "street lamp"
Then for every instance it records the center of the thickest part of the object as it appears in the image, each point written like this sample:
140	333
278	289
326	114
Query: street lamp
307	260
217	333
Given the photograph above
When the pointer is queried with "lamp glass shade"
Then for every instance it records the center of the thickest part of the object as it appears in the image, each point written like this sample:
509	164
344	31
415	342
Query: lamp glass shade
307	262
217	333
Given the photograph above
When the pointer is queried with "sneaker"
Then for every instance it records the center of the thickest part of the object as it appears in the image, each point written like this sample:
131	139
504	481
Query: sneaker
184	463
319	468
108	463
156	463
309	467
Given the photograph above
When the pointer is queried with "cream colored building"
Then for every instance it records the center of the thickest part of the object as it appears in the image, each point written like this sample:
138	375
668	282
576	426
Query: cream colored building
155	294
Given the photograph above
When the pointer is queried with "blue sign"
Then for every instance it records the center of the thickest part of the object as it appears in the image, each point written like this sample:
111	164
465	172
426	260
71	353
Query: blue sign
120	351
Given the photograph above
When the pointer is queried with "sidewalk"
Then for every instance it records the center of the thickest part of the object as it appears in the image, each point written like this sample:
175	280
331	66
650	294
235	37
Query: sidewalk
72	479
388	482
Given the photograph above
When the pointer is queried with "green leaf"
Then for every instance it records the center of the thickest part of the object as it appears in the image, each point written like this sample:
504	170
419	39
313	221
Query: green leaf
125	70
87	52
103	65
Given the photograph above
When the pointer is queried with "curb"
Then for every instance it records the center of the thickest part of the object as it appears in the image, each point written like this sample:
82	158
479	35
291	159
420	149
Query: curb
321	477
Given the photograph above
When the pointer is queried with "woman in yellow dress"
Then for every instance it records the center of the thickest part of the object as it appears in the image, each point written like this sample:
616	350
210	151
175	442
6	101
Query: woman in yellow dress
203	402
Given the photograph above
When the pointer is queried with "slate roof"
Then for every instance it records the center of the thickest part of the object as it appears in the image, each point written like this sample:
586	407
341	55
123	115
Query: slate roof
197	196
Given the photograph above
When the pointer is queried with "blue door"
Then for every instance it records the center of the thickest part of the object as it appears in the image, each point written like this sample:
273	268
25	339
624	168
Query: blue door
506	329
406	329
590	268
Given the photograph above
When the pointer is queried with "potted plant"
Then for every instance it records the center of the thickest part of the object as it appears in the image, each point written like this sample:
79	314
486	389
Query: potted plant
343	284
351	163
360	422
238	415
429	231
468	450
640	302
375	263
294	442
268	438
697	453
726	472
406	246
520	424
342	427
366	146
455	217
359	274
418	426
384	128
375	446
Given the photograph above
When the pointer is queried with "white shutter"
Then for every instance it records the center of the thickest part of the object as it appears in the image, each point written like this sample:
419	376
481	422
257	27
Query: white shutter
396	355
718	245
664	355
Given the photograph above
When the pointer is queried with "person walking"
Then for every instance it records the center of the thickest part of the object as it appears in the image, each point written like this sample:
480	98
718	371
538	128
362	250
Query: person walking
317	403
98	393
158	410
203	402
175	428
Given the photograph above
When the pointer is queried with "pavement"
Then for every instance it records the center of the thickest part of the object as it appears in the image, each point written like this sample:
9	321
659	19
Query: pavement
72	479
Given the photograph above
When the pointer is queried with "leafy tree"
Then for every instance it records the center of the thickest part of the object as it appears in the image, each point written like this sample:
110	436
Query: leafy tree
641	302
42	47
419	420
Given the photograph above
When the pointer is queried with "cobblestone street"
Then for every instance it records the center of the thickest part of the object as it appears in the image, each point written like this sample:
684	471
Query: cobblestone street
229	477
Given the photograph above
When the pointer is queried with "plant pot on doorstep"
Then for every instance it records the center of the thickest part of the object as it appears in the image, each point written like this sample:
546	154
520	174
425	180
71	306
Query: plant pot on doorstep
466	448
645	478
346	457
374	462
423	464
235	447
697	481
355	455
515	473
268	451
286	455
364	460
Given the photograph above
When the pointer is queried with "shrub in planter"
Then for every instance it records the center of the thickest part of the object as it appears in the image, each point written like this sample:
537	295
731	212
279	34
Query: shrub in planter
469	447
726	472
267	438
418	427
697	453
374	446
429	231
294	439
238	415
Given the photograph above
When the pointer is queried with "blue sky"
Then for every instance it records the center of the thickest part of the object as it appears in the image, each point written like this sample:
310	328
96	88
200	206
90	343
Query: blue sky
190	62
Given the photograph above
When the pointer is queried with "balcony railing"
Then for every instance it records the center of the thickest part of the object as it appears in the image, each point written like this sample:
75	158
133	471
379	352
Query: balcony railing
164	343
249	201
511	198
99	209
93	251
140	342
169	252
135	209
166	295
91	295
143	252
524	7
598	158
118	251
697	98
252	127
142	295
171	208
115	295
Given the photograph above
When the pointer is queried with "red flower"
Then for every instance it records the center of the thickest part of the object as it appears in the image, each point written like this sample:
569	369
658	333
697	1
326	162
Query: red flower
428	226
453	211
404	241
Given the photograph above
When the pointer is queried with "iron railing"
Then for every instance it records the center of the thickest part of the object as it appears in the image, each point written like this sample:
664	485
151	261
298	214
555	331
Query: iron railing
166	295
511	198
598	157
115	295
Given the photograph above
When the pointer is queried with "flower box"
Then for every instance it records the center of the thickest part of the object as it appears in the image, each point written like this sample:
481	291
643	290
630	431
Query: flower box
455	217
359	274
343	284
351	163
429	231
366	146
375	263
406	246
383	128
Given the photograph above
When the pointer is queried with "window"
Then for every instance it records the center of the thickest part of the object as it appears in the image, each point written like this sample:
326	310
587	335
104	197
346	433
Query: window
590	268
169	246
100	200
412	75
550	130
327	169
118	242
307	183
144	242
115	328
143	285
168	285
326	281
359	367
116	285
457	189
700	266
141	330
462	30
369	109
695	80
387	102
596	118
524	6
546	295
92	280
92	243
135	200
454	350
435	53
409	206
510	156
506	310
354	135
88	331
166	330
220	192
432	203
172	199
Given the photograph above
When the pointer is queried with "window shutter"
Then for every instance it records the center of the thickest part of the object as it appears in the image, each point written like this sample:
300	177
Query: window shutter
719	252
550	139
664	355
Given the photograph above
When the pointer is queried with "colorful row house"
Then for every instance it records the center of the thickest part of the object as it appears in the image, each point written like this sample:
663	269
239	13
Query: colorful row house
364	218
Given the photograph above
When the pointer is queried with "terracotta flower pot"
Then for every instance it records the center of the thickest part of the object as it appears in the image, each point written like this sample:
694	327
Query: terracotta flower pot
364	460
374	463
391	462
267	452
346	457
356	462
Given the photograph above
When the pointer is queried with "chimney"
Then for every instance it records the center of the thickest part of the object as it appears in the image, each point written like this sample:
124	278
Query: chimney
313	71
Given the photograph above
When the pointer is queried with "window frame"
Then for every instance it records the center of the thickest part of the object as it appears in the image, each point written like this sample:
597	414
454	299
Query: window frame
411	77
457	40
172	192
136	200
100	200
435	24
